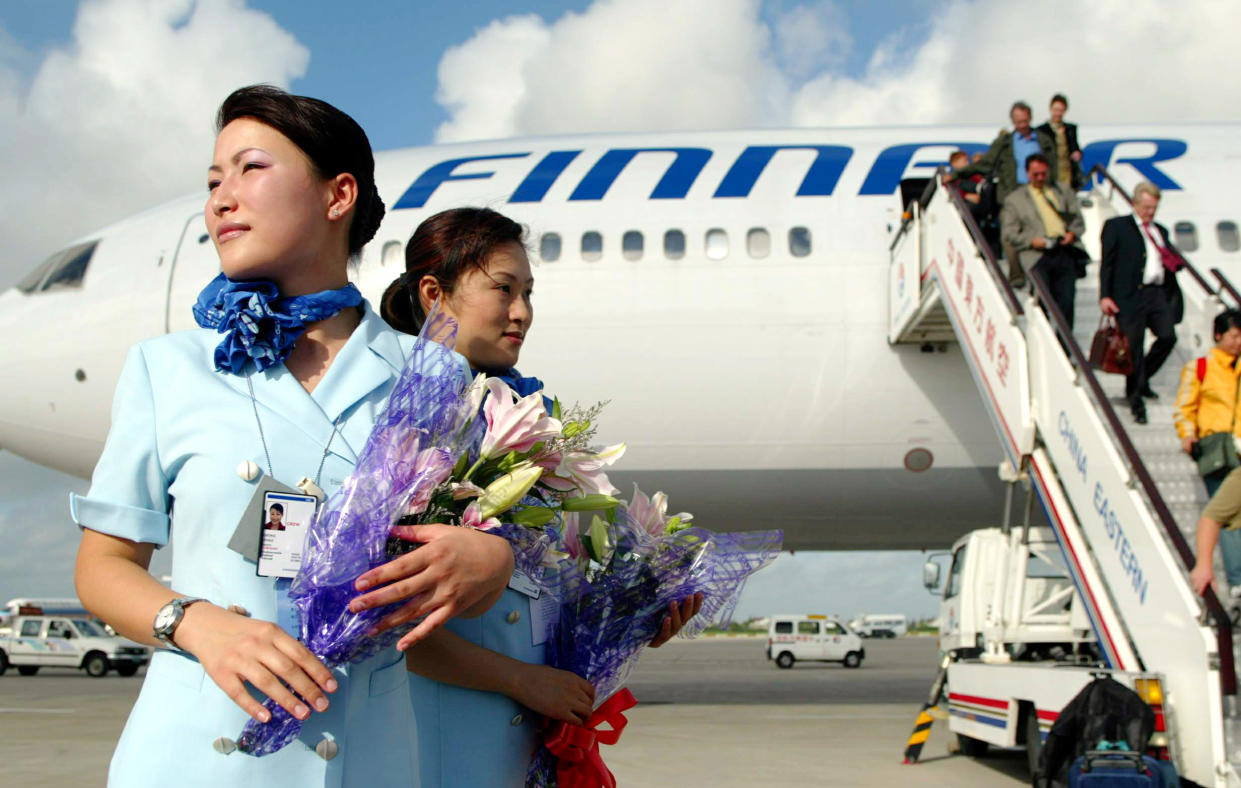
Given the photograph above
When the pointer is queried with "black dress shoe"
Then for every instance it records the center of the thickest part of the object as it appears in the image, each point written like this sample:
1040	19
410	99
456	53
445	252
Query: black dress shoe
1139	414
1148	394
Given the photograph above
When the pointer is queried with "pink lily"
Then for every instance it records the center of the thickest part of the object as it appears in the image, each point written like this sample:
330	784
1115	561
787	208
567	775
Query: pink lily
514	424
571	536
651	513
472	517
582	471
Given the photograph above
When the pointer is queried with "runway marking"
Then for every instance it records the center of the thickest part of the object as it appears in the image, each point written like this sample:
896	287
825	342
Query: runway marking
38	711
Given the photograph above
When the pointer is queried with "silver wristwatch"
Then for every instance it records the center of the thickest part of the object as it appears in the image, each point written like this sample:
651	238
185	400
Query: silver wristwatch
169	617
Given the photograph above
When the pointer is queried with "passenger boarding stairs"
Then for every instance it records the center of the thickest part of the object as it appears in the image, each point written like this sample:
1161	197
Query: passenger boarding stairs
1122	498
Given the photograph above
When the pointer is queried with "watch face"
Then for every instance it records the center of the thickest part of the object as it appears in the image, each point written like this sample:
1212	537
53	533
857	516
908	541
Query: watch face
165	617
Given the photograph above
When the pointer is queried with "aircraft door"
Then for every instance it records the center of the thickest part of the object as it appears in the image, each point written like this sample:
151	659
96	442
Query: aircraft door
196	263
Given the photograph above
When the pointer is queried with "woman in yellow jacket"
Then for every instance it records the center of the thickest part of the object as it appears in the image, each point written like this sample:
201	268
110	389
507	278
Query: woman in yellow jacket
1207	403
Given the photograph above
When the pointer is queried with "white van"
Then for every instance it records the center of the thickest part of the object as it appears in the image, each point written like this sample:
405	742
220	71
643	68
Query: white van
812	638
885	625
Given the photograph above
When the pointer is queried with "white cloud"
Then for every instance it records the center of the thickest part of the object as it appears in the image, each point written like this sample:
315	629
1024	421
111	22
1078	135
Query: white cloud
659	65
121	117
620	65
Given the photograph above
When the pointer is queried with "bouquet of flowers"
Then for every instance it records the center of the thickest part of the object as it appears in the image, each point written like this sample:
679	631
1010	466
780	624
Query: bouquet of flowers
634	563
417	467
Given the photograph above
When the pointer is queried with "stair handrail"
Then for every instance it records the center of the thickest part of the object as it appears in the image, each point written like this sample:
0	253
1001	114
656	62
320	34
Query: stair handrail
1215	610
980	241
1225	286
1102	172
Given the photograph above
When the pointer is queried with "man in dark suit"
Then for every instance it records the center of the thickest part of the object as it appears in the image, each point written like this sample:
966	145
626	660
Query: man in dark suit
1137	283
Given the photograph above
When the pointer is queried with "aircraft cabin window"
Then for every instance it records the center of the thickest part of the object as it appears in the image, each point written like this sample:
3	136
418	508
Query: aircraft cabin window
549	247
1185	236
758	243
393	254
674	244
799	241
1226	233
65	268
807	627
717	244
631	245
592	246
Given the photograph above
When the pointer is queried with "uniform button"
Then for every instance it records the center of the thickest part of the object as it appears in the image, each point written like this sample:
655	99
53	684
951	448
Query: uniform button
248	470
327	749
513	617
515	721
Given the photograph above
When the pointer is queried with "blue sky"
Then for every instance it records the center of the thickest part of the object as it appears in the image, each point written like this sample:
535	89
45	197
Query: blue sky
106	109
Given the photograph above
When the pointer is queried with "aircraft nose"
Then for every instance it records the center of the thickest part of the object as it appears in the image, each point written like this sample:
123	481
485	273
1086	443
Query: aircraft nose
40	414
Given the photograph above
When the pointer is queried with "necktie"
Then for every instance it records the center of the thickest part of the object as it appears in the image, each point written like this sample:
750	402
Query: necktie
1169	261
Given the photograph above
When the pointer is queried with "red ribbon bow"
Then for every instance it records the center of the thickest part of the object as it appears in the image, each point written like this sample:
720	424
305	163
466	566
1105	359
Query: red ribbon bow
576	747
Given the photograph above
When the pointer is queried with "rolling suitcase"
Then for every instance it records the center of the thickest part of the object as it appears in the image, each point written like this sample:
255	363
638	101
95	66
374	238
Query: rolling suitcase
1115	769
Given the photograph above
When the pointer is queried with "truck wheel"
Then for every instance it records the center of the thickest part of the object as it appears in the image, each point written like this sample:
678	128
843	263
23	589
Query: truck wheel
1034	740
974	748
96	665
127	669
785	660
4	662
853	659
27	670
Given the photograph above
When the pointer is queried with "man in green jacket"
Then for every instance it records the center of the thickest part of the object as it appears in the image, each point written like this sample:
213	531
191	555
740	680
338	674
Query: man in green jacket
1007	156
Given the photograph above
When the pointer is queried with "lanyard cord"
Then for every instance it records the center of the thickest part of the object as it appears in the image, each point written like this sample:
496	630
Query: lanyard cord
263	437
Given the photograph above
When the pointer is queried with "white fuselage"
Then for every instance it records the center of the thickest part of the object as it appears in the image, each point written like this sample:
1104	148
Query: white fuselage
750	376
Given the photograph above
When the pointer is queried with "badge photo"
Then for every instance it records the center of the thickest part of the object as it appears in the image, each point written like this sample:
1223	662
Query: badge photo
286	520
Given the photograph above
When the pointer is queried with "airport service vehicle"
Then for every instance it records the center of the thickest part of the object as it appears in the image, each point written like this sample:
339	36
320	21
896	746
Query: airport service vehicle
1033	610
812	638
885	625
54	641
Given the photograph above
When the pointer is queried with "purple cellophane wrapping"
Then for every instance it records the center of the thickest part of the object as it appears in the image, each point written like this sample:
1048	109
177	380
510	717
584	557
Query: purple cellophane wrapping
417	439
602	631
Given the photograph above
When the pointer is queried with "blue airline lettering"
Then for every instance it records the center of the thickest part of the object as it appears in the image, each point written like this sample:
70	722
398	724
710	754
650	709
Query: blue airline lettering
820	180
675	184
886	173
536	185
421	190
1102	151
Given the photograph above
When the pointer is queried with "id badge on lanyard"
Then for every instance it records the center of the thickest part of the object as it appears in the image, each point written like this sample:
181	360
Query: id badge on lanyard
282	530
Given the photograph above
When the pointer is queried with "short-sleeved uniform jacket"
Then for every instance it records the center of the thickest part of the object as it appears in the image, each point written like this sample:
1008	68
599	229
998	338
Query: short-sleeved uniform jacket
179	430
470	738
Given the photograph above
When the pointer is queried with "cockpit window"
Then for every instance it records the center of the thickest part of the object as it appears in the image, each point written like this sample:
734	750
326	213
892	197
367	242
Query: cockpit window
64	269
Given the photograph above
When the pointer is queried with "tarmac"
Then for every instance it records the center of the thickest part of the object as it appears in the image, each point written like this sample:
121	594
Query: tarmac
712	712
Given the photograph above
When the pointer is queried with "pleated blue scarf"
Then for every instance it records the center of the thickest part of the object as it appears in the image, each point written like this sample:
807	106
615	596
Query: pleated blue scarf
258	324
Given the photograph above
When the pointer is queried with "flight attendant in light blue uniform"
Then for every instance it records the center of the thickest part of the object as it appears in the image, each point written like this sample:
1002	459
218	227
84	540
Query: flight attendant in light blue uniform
476	682
291	198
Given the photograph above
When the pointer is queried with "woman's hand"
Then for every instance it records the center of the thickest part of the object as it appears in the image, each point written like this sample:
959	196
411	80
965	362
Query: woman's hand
455	571
234	649
557	694
678	615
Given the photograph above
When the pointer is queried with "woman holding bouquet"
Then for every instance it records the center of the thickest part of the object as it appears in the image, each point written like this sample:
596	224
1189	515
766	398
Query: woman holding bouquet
201	430
476	681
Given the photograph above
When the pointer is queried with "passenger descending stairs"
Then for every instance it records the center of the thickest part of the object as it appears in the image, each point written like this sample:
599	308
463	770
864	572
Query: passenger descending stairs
1123	498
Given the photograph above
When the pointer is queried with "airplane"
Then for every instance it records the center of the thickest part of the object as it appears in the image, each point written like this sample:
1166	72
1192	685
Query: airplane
725	291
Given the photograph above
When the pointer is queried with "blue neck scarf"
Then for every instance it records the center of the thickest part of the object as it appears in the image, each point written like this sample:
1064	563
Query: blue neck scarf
258	324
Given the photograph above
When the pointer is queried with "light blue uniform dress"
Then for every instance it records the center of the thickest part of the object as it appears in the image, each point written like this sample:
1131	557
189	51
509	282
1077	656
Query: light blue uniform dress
474	739
179	430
